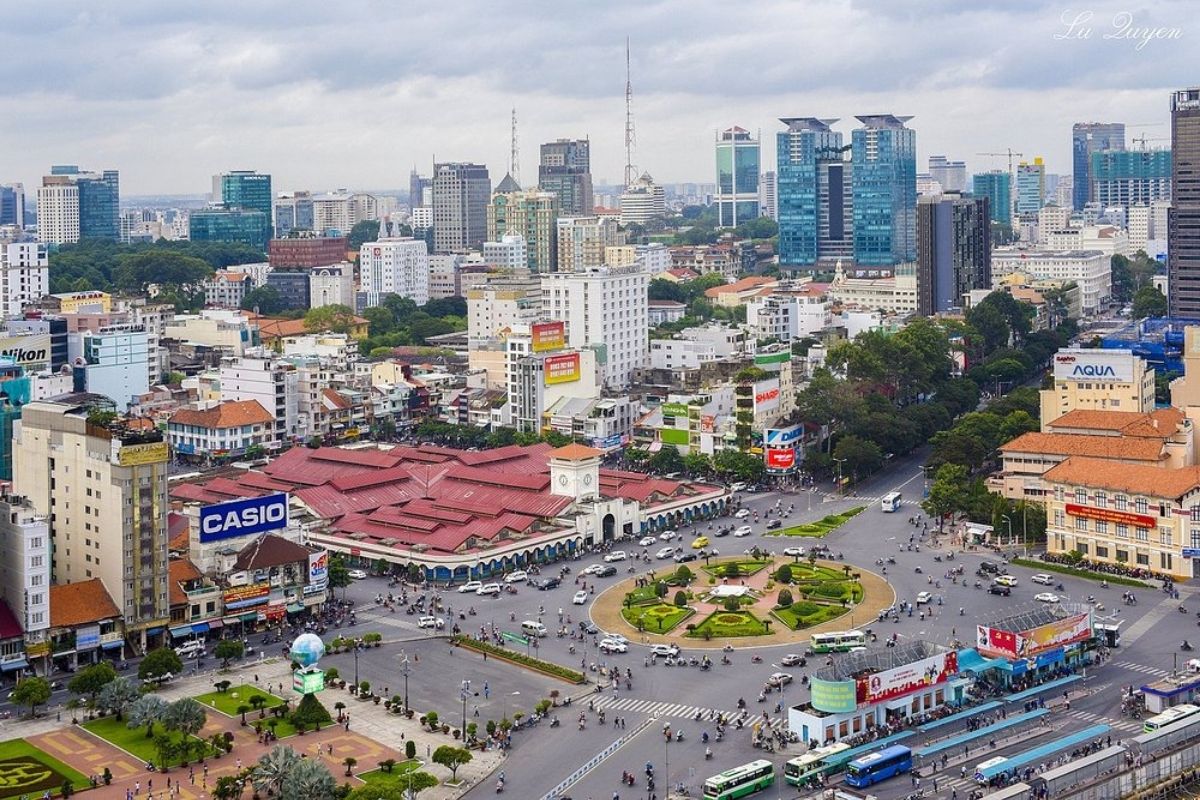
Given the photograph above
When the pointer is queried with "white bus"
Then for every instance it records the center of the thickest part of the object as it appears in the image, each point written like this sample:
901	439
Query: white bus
1174	714
837	641
891	502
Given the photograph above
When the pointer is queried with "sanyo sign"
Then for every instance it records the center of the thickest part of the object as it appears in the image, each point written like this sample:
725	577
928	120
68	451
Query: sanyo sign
1106	366
243	517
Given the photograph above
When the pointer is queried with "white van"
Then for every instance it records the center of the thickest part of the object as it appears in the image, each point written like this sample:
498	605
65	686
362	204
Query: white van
190	649
531	628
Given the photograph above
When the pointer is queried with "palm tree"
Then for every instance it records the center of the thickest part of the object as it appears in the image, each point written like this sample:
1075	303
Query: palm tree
349	761
242	709
186	715
117	695
258	701
147	710
271	770
308	780
228	788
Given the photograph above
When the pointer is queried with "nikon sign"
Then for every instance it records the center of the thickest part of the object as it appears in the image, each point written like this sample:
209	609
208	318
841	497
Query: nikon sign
1105	366
28	351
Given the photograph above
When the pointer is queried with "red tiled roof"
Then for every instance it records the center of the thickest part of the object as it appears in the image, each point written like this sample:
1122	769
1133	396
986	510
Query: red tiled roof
230	414
80	603
335	399
179	571
575	452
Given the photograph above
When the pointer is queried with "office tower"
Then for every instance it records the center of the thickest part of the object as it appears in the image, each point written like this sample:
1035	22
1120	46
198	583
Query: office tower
509	254
1088	138
307	251
394	266
814	193
604	309
738	166
533	215
74	204
566	170
99	205
420	190
104	488
293	212
1130	177
883	156
1031	187
1183	219
768	195
248	190
292	285
582	242
643	201
996	186
248	226
952	175
460	197
954	250
24	276
12	204
58	210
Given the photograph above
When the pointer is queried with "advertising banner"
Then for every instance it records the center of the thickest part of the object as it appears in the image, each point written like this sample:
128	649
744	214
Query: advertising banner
772	359
243	517
318	567
675	409
308	681
708	423
833	697
133	455
780	457
1078	364
562	369
766	395
778	437
1111	515
1059	633
548	336
28	351
893	683
87	637
243	596
992	642
674	436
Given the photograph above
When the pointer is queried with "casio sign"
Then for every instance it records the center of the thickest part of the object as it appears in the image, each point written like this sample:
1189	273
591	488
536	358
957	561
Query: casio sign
243	517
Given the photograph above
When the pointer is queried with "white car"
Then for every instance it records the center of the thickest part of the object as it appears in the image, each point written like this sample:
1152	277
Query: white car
667	536
1046	597
593	569
580	598
616	637
1005	580
669	650
923	598
431	622
519	576
615	555
613	646
742	513
1043	579
745	530
470	586
794	552
357	574
779	679
647	541
666	552
489	588
793	660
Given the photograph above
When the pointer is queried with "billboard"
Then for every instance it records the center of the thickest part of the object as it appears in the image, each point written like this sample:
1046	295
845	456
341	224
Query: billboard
87	637
893	683
318	567
766	395
31	350
779	437
833	697
548	336
995	642
1060	632
674	436
780	457
675	409
708	423
769	360
562	369
133	455
1110	515
243	596
243	517
308	681
1077	364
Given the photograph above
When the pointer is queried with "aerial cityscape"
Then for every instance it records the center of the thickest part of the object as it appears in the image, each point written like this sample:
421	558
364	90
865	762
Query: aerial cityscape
650	401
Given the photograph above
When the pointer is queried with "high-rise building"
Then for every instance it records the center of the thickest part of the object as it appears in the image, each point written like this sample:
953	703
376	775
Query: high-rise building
58	210
509	254
566	170
99	205
25	557
884	157
74	205
605	309
104	489
274	383
996	186
533	215
582	242
1088	138
954	250
1183	220
768	198
293	212
814	205
738	167
460	198
338	212
248	190
642	202
24	276
12	204
248	226
420	190
1128	177
951	175
394	266
1031	187
117	363
293	287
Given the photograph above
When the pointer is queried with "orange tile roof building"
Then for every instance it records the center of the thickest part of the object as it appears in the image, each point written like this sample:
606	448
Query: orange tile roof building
85	625
228	429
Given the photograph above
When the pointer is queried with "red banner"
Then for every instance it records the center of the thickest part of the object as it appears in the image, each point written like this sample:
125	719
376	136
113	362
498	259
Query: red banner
780	457
994	642
1109	515
893	683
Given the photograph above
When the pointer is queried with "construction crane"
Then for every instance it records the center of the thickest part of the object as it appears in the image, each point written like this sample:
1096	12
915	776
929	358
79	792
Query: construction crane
1143	139
1008	152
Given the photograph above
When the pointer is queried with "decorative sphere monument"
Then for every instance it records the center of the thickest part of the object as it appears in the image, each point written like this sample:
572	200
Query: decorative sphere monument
306	651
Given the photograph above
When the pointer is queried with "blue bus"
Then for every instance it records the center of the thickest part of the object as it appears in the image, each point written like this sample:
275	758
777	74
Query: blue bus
879	766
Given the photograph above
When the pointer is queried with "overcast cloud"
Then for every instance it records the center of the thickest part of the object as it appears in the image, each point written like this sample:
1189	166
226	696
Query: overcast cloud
354	93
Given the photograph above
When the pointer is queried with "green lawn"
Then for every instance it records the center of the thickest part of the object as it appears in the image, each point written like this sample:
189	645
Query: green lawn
131	740
746	566
227	702
729	623
42	772
377	777
656	617
821	527
805	614
642	594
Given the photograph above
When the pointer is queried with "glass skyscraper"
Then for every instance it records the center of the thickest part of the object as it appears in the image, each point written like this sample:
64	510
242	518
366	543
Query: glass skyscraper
249	226
565	168
249	191
996	186
1031	187
1128	177
884	181
738	166
1088	138
12	204
99	205
813	197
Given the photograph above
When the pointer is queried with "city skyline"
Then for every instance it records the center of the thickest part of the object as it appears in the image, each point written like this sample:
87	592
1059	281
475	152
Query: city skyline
170	100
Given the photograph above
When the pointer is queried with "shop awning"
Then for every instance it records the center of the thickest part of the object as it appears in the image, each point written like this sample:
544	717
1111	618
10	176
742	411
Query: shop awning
181	631
200	627
295	608
249	616
8	666
111	645
214	624
154	631
898	705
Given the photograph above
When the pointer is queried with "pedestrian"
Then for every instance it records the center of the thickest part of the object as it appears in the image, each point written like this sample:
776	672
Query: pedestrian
137	788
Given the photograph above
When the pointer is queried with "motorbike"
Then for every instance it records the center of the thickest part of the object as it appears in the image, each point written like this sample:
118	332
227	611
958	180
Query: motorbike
755	659
554	722
1185	646
708	754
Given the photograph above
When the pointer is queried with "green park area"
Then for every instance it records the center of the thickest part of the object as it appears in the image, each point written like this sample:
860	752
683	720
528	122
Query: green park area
232	699
811	594
821	527
145	748
654	616
26	770
806	614
390	779
737	567
722	624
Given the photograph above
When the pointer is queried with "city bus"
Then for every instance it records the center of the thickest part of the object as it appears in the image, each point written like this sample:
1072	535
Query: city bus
879	766
798	770
837	641
1181	711
980	774
890	502
740	781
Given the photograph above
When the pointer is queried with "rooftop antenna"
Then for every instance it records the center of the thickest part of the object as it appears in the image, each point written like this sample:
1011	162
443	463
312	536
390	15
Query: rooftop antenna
514	160
630	170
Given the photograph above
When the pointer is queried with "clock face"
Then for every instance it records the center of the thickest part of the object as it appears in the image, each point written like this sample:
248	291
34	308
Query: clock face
562	480
587	480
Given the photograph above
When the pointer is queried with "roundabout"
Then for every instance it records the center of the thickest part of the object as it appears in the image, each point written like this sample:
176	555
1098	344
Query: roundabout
742	601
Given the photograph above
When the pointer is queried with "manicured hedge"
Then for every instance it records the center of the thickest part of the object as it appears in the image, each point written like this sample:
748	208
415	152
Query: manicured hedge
1079	572
548	667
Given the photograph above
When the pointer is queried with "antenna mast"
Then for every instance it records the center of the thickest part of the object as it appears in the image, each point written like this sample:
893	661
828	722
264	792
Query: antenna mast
630	170
514	160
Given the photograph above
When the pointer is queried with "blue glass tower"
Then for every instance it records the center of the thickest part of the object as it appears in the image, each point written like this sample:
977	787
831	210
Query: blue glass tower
737	178
100	205
996	186
812	192
884	161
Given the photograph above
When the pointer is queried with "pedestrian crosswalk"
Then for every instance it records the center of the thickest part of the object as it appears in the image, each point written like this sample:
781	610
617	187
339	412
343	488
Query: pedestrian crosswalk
677	710
1127	725
1142	668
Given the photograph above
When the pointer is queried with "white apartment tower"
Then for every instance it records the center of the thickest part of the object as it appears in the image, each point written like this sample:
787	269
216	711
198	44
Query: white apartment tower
394	266
275	384
24	276
25	564
58	210
582	242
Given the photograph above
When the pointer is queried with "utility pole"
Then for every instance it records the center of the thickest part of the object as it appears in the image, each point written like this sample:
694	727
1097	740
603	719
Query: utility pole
514	158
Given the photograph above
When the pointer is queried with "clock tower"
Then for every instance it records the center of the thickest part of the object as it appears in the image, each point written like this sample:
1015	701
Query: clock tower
575	472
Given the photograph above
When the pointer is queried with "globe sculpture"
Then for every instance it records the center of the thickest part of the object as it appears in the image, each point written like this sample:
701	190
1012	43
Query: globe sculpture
307	649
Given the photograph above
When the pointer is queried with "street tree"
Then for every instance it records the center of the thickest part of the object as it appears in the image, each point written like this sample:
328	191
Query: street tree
948	493
229	649
31	692
91	680
160	663
452	758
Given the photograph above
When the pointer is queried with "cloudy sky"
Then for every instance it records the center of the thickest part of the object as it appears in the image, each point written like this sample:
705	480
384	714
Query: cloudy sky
354	93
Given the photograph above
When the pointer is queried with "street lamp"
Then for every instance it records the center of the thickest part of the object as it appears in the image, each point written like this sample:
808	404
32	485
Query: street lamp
463	691
356	666
404	667
839	461
1009	521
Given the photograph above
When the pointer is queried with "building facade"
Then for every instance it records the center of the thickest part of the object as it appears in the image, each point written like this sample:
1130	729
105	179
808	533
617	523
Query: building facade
738	168
582	242
274	384
460	198
815	198
533	215
1127	178
883	155
24	276
1031	187
307	251
394	266
292	286
1088	138
996	186
565	169
247	189
1099	380
293	212
643	201
954	250
1091	270
247	226
951	175
1183	220
331	285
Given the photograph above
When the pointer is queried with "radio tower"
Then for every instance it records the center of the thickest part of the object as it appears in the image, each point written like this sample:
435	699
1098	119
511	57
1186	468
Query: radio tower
630	169
514	160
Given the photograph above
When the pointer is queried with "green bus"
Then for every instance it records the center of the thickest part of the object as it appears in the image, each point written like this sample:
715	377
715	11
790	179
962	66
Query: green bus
800	769
837	641
740	781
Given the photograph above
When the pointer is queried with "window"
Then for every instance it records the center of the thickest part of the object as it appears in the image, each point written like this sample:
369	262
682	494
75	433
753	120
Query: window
1139	505
1102	527
1194	511
1120	502
1059	518
1080	524
1195	537
1164	535
1081	496
1122	531
1101	551
1102	499
1059	493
